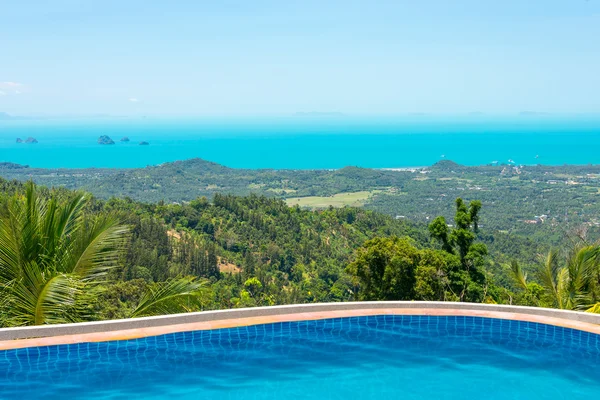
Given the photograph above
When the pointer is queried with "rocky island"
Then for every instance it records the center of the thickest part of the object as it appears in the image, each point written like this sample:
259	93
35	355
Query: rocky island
144	143
19	140
31	140
125	139
105	140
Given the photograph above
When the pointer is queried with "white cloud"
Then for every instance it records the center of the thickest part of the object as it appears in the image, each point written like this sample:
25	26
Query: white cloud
133	100
11	88
10	85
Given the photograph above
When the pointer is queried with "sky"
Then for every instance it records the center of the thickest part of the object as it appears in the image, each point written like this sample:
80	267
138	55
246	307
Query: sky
274	57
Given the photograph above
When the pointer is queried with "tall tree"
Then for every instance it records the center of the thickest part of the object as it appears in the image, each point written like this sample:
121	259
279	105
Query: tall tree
461	241
384	269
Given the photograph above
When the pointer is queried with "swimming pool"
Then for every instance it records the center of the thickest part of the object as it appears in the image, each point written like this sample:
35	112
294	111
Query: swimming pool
367	357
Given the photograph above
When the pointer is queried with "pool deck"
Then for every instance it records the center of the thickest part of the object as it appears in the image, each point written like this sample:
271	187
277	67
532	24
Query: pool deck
132	329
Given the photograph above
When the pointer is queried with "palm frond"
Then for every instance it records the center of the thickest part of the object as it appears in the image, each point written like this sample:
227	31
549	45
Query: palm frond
582	266
57	300
518	274
168	297
10	251
98	248
71	217
594	309
548	274
563	297
42	298
60	226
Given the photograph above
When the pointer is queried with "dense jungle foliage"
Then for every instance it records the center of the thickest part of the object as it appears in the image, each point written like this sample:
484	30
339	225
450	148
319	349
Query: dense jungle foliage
248	251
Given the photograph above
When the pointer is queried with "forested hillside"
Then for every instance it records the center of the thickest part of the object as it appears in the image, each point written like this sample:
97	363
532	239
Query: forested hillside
255	250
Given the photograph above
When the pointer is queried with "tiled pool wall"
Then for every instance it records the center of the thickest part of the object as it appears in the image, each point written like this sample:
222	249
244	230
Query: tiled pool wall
324	310
427	333
385	352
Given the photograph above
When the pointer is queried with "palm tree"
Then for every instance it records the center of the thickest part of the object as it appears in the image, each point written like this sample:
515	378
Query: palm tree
572	285
169	297
54	257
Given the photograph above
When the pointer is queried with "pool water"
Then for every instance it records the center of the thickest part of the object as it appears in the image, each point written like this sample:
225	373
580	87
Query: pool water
376	357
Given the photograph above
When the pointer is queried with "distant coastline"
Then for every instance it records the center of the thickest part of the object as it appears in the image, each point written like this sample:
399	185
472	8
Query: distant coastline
186	180
446	164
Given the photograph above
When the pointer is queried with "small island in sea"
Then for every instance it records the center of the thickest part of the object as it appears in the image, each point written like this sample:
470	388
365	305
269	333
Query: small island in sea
104	139
144	143
19	140
31	140
125	139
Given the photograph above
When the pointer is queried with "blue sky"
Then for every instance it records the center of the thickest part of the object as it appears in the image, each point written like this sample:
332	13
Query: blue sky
265	57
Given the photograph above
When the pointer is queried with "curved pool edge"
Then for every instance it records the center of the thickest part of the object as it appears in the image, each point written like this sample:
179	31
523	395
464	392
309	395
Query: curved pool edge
102	331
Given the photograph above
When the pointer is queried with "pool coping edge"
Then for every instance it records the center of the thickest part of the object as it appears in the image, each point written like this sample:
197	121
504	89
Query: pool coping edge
33	336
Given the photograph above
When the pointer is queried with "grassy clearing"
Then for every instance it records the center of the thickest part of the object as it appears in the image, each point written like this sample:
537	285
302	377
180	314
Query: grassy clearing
352	199
455	179
281	191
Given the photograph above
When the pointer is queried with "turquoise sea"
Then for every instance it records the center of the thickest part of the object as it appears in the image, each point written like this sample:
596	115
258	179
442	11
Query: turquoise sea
304	142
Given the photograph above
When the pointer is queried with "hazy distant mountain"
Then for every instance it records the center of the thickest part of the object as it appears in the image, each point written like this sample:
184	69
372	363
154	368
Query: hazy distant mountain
5	116
9	165
319	114
533	113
